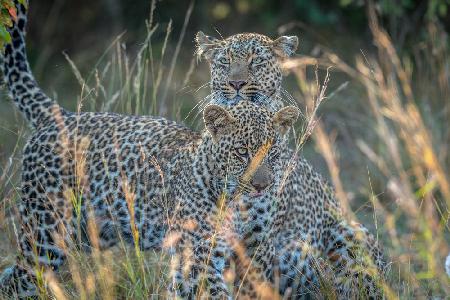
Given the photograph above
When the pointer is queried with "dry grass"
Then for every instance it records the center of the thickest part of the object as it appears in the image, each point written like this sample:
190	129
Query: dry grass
406	165
408	152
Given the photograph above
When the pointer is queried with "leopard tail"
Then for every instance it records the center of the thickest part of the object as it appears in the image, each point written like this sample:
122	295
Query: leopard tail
36	107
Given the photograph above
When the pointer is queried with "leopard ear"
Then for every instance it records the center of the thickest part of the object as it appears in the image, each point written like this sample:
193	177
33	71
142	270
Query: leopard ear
285	46
285	118
205	45
217	120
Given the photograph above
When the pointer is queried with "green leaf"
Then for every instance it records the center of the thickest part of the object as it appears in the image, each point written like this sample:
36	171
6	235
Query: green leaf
345	2
4	34
442	9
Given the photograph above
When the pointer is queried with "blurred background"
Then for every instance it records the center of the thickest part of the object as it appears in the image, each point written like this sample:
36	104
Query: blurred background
383	136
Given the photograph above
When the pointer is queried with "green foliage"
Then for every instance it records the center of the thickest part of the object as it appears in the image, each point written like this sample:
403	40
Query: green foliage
437	8
7	14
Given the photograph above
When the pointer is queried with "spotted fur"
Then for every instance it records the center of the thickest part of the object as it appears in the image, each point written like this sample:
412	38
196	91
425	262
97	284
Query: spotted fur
228	204
126	173
250	62
103	159
314	241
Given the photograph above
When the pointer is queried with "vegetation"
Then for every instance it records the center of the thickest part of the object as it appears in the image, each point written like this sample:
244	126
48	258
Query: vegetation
7	13
381	133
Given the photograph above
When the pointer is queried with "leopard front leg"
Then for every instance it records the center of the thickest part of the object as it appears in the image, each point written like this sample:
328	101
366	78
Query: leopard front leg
254	271
17	282
39	252
198	264
301	272
356	260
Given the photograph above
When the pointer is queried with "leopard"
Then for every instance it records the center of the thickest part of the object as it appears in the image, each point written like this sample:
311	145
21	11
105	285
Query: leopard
113	163
78	167
315	241
230	202
103	156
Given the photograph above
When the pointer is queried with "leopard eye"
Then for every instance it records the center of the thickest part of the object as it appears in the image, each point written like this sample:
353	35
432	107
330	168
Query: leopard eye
224	61
257	61
242	151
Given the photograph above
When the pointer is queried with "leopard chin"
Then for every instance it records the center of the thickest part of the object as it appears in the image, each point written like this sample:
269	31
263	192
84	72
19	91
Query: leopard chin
257	98
225	101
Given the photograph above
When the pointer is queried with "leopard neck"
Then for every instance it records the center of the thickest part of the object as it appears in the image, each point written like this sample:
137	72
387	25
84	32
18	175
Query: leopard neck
201	169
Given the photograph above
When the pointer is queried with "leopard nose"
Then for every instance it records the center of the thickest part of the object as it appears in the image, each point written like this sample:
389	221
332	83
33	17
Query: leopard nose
259	186
262	178
237	84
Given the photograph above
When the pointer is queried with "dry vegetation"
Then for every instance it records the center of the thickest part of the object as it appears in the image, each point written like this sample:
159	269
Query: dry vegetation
405	147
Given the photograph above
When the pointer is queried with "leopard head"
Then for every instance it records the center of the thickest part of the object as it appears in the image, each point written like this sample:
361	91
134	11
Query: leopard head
247	141
245	66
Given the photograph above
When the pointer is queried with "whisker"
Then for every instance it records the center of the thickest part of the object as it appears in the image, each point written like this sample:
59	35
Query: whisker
245	186
264	100
204	103
200	104
202	107
202	86
290	98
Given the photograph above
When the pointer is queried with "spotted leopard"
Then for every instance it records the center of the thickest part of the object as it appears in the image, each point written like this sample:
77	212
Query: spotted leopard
314	241
230	201
98	154
113	164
